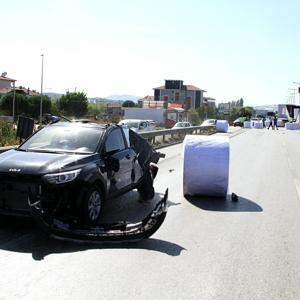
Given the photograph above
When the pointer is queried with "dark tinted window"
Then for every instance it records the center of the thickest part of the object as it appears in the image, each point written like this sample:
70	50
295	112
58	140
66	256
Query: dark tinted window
114	141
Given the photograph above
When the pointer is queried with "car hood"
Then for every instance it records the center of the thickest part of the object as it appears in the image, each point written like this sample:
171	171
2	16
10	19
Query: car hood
35	163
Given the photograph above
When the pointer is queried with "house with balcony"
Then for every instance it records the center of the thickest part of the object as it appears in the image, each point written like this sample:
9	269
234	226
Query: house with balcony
176	93
6	84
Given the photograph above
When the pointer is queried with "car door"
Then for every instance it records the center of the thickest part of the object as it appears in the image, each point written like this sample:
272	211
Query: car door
119	162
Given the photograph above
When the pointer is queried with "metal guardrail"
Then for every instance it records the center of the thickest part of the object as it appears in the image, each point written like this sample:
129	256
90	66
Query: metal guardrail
178	133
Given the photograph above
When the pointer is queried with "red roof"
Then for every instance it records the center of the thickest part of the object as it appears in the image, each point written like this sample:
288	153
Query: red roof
160	88
7	79
4	91
147	98
192	88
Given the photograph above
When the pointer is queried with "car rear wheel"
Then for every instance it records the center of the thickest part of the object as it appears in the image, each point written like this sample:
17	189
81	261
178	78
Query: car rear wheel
92	205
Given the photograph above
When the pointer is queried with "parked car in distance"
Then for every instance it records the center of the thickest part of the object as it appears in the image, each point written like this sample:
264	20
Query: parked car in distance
182	124
138	125
239	122
70	168
209	122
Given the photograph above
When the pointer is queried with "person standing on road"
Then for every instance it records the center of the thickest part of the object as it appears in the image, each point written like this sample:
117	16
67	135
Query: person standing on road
275	122
271	123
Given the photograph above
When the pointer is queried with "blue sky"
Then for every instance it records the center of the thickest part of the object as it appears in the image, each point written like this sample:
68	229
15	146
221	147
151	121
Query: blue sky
231	49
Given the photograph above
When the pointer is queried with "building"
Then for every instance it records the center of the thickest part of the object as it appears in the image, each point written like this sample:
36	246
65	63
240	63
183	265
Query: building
210	102
224	107
6	84
112	111
149	102
174	91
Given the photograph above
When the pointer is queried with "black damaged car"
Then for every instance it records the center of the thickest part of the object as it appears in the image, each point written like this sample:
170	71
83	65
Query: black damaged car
68	169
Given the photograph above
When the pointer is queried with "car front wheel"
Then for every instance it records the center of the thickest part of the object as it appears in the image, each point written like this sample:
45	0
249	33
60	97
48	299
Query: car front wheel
92	205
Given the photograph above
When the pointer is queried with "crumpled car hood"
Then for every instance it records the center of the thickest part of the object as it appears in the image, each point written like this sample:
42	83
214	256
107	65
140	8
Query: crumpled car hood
38	163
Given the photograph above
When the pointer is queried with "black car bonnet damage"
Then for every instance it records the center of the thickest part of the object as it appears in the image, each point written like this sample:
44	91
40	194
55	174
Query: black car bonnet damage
114	232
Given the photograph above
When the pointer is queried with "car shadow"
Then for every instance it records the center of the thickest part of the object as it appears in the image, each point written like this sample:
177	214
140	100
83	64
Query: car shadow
22	235
224	204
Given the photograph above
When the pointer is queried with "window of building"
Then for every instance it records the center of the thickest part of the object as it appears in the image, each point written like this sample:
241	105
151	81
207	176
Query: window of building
188	102
176	96
156	95
166	98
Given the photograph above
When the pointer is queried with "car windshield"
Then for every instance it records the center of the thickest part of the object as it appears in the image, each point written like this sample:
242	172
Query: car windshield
66	139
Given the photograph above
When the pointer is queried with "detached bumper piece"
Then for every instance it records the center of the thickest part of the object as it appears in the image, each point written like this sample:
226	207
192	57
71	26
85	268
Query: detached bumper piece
114	232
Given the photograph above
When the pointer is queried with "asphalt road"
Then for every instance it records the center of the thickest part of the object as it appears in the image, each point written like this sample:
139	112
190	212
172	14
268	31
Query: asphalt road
205	249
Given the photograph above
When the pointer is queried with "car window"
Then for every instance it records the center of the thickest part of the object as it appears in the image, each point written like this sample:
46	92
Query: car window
115	141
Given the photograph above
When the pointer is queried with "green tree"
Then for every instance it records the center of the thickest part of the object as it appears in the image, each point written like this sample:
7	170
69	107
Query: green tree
21	104
54	108
95	109
128	103
208	112
73	104
35	105
193	117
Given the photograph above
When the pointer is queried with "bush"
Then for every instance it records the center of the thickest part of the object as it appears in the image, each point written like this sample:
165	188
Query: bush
7	134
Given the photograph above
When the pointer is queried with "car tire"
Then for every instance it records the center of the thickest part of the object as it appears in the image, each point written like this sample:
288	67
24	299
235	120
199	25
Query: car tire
146	188
92	205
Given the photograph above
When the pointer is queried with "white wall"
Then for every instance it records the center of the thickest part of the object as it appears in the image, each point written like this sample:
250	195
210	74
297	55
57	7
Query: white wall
157	115
5	84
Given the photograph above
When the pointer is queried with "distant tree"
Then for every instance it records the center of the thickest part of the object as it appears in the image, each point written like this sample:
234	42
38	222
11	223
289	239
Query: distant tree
54	108
21	104
73	104
35	105
210	112
128	103
95	109
193	117
241	102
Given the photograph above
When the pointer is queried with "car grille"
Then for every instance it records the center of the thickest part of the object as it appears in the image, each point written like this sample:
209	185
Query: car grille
14	190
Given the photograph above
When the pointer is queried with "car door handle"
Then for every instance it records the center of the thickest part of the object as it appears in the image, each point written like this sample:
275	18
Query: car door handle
128	156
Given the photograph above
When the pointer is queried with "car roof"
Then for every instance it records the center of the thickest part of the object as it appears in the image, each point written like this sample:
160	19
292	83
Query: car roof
79	124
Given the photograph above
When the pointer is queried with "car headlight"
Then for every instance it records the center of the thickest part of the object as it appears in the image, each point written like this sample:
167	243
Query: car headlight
64	177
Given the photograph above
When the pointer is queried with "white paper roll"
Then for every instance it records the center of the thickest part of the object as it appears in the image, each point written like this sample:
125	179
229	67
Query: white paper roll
247	124
292	126
258	125
206	165
222	126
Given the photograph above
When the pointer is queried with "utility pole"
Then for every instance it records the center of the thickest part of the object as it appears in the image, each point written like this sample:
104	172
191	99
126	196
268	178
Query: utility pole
14	101
42	78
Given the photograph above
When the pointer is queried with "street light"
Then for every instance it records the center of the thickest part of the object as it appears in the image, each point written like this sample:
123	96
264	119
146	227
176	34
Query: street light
42	78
